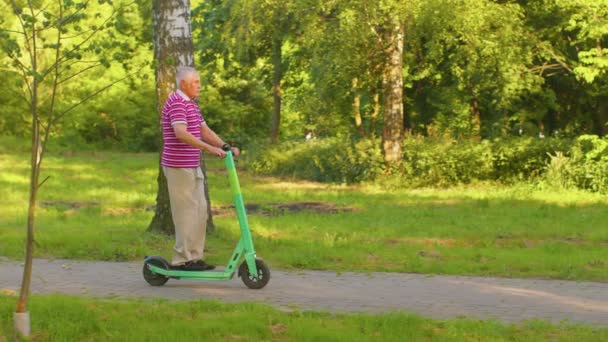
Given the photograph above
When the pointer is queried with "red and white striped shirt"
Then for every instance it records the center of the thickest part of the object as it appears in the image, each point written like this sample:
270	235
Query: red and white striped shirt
179	108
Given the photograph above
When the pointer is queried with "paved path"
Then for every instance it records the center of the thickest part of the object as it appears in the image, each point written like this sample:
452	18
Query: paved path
508	300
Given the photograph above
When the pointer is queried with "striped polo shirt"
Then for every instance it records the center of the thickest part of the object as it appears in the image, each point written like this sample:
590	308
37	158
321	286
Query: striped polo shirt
179	108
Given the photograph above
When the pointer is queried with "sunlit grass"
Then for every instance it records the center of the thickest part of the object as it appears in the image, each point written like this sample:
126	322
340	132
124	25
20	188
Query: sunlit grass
65	318
97	205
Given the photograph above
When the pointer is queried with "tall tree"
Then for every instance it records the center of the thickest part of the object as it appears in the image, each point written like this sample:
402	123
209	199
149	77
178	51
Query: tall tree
173	47
391	39
262	27
470	70
373	33
571	38
234	85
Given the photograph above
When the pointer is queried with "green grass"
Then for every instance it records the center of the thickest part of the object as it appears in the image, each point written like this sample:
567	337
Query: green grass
85	319
96	205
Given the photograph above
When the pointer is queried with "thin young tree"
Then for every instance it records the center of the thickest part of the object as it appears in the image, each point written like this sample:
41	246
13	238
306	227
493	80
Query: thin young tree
46	43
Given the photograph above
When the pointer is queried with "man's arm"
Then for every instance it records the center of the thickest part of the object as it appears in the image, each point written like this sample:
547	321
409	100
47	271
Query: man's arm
181	132
209	136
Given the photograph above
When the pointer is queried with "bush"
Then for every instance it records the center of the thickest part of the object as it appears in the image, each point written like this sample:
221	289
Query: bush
441	162
524	158
426	161
586	167
445	162
325	160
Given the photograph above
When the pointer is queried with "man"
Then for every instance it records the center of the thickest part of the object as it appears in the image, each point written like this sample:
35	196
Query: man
185	134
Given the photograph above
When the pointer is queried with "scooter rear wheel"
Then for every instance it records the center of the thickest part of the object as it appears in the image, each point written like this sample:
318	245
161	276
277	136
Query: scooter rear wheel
255	281
152	278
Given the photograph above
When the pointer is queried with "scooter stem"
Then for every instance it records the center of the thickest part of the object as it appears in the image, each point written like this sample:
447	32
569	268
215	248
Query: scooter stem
239	205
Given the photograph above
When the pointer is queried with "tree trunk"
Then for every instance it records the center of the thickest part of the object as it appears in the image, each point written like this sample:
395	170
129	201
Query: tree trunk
600	116
393	94
357	107
475	118
277	61
375	113
173	47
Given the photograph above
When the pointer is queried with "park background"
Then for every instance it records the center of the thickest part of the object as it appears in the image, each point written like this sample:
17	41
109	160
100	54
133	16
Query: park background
446	137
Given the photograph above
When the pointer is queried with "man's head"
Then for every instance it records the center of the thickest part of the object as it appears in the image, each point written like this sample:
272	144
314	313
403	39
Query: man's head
188	81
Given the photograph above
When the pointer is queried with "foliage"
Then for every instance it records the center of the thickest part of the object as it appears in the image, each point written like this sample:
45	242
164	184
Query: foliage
588	21
524	158
585	166
83	49
569	37
478	68
426	161
430	162
338	160
468	69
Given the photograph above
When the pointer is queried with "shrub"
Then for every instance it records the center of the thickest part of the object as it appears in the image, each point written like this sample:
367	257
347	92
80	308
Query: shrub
558	171
588	167
335	160
443	162
524	157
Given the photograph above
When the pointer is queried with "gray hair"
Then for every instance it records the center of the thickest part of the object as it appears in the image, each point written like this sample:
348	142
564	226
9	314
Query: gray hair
183	73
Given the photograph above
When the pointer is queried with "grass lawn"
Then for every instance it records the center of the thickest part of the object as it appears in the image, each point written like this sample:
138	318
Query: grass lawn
97	205
80	319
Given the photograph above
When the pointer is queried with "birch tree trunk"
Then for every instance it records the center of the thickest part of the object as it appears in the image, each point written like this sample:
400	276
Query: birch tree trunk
173	47
393	94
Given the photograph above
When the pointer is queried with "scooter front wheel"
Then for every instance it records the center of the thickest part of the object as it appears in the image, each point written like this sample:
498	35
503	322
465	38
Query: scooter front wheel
152	278
255	281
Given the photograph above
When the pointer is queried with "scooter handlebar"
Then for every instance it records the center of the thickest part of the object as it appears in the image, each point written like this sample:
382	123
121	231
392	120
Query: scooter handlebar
226	147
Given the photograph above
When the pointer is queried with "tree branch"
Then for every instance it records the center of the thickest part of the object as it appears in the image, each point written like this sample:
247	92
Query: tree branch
47	130
78	35
11	31
99	28
21	66
59	116
20	95
79	72
47	177
544	67
76	12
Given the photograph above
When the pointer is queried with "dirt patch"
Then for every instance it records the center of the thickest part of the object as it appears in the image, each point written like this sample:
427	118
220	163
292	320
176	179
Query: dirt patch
429	242
506	241
274	209
119	211
266	209
67	204
430	254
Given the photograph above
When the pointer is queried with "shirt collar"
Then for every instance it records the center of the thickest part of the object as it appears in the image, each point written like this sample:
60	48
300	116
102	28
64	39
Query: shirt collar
183	95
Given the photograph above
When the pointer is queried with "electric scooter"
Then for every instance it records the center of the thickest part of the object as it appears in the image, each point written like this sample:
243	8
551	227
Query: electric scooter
253	271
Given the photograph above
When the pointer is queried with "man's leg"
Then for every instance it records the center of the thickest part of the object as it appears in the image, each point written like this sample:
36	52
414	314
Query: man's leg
184	208
199	234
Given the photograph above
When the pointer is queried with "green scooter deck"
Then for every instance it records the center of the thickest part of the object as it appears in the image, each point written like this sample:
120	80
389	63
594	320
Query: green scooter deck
211	275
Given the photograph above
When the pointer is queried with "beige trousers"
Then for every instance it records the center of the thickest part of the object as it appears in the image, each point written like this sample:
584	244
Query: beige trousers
189	210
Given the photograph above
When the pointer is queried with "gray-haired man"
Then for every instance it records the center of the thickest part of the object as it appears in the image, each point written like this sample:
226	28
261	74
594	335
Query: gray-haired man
185	134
